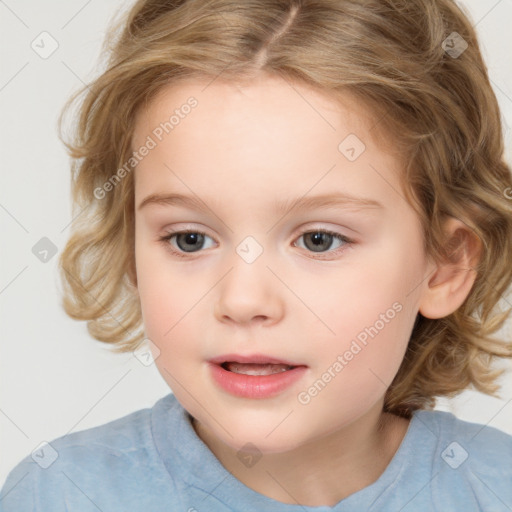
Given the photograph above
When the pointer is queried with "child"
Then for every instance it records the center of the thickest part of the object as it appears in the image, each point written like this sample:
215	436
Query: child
340	165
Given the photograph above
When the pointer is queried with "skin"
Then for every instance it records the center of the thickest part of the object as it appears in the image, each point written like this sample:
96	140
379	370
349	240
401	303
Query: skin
239	150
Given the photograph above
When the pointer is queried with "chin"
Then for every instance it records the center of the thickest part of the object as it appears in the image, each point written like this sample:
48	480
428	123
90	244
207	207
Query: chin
256	441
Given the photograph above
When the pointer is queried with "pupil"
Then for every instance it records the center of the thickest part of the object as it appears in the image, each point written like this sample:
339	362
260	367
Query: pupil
190	239
319	242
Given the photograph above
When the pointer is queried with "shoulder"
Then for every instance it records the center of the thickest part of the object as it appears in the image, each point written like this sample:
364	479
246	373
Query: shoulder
472	463
113	440
118	454
483	443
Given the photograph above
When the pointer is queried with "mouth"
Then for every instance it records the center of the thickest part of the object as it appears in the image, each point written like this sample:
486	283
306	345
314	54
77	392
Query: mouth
256	364
255	369
255	376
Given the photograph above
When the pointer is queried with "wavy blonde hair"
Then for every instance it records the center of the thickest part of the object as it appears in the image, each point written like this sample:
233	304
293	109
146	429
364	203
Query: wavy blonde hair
440	108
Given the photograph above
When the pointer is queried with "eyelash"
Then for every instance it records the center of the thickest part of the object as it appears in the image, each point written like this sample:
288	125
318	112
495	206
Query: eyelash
166	238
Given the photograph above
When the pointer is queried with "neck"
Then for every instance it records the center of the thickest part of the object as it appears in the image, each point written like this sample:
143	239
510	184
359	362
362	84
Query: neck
323	471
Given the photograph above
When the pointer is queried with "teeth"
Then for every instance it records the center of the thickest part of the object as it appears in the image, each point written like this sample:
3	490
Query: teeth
256	369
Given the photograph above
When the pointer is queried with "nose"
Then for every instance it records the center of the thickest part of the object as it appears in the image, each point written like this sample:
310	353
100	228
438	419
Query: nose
249	293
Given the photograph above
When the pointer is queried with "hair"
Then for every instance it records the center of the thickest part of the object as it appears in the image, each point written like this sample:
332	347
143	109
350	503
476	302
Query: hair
440	110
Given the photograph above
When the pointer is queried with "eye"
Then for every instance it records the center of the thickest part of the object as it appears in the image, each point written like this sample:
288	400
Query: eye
321	240
190	241
187	241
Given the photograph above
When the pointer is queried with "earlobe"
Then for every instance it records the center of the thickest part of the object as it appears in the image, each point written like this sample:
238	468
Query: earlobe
452	279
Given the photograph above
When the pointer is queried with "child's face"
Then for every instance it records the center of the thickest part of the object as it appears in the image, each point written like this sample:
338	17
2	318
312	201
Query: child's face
238	152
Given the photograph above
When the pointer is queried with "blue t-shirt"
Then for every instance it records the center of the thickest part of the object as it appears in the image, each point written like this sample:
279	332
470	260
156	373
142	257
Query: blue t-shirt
152	460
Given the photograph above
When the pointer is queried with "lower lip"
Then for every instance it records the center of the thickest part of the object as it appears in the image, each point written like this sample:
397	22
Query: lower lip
255	386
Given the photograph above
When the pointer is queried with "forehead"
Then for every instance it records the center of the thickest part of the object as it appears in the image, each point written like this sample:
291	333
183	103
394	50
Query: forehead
281	98
270	134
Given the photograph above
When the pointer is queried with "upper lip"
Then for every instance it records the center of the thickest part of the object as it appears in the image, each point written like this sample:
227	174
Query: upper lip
251	358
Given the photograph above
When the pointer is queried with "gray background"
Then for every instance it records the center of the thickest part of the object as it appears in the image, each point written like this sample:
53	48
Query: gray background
54	377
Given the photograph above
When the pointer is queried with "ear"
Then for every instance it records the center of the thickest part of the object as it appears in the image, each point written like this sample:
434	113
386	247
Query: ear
452	280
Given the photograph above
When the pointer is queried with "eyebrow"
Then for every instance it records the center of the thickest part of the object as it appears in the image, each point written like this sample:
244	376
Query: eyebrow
340	200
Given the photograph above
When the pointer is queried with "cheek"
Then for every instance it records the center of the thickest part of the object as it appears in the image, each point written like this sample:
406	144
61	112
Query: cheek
355	368
376	285
174	307
165	293
372	311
